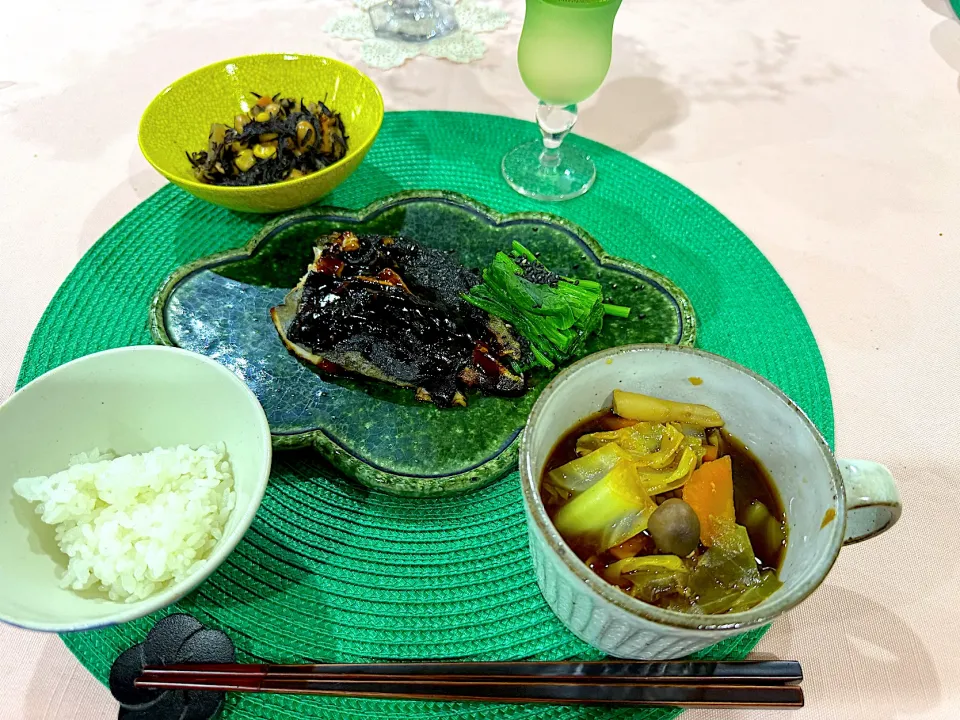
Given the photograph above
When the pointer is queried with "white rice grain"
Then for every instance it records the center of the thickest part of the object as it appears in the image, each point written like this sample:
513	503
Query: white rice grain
133	525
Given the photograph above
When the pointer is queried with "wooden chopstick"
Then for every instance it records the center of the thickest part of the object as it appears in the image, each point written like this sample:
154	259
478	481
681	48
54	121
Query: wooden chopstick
774	672
686	696
678	684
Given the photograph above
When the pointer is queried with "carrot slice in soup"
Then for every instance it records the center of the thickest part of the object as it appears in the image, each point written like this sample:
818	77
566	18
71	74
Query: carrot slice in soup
709	491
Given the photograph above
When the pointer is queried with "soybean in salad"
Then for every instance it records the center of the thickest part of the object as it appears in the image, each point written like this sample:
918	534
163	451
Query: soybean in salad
660	501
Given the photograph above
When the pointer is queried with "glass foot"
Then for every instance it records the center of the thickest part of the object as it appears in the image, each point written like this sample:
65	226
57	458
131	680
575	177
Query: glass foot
413	20
566	174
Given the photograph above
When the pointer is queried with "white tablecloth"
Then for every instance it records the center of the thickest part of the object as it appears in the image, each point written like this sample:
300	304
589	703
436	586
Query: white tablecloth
828	131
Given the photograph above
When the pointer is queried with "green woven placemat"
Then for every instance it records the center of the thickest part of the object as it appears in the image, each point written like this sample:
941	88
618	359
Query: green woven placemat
330	571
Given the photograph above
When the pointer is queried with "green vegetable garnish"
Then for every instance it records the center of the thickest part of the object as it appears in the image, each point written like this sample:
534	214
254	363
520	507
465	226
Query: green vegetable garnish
650	576
726	577
555	314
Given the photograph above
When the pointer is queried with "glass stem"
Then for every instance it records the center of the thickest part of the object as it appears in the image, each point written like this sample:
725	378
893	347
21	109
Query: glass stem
555	122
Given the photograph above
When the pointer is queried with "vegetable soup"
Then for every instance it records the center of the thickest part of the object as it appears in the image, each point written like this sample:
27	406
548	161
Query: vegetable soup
659	500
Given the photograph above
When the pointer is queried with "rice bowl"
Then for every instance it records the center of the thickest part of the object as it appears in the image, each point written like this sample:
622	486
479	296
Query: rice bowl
131	401
133	525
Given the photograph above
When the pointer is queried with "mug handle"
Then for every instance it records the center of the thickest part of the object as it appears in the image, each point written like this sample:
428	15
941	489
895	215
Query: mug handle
873	503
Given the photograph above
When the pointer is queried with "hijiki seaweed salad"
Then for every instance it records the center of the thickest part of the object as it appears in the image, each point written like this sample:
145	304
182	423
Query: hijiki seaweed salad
277	139
389	309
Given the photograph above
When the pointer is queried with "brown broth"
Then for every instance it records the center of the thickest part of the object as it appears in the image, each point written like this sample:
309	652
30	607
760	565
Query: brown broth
751	481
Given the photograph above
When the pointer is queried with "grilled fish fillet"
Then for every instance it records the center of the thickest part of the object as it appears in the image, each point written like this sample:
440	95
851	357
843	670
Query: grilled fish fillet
391	310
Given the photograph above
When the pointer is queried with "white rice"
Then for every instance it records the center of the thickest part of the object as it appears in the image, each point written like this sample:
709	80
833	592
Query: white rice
133	525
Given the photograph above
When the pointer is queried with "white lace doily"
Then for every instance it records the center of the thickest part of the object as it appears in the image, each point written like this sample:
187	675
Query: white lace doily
461	46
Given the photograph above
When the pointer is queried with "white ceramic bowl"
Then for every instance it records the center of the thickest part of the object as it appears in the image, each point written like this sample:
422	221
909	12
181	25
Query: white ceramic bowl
127	400
859	496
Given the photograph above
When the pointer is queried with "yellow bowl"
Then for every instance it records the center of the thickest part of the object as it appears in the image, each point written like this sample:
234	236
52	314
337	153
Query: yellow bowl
178	120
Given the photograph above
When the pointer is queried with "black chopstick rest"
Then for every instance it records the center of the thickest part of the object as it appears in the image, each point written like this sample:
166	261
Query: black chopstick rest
175	639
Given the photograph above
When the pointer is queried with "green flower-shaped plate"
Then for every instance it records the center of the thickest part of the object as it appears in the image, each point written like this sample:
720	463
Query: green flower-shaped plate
378	434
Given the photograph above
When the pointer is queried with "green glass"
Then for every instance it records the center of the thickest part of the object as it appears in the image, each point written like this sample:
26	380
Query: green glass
564	55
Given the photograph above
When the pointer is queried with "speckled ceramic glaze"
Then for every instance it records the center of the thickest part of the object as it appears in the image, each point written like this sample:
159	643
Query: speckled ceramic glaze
827	504
379	434
179	119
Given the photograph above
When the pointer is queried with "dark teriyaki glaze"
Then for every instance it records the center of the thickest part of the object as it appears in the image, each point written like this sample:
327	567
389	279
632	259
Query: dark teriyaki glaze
399	306
751	481
416	340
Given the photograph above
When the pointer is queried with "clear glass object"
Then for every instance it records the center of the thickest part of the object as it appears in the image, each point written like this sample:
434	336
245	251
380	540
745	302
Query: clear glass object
413	20
564	55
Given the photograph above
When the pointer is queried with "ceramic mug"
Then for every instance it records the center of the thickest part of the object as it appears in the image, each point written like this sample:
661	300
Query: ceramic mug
829	503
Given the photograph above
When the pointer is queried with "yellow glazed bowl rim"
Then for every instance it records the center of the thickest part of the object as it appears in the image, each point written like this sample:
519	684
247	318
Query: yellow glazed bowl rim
186	183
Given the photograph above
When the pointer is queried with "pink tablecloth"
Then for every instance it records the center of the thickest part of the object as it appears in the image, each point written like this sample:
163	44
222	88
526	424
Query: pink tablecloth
828	131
